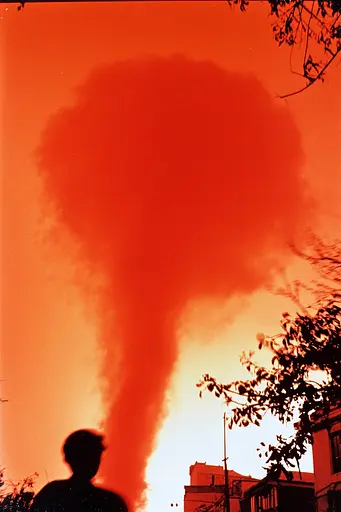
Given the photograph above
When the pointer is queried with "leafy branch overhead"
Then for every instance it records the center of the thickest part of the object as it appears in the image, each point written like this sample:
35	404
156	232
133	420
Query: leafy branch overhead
308	342
314	27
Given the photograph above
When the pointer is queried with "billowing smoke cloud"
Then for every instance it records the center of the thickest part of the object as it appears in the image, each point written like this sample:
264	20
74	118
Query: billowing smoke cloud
178	180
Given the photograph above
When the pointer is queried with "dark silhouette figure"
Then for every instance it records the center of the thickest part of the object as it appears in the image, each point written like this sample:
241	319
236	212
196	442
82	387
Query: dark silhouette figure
82	452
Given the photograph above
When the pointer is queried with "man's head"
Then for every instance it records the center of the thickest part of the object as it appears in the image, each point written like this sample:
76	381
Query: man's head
82	451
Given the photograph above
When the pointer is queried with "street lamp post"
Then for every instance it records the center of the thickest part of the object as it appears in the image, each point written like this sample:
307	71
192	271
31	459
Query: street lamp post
226	474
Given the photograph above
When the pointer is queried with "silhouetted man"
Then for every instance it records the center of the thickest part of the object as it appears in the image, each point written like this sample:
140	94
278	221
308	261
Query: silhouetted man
82	451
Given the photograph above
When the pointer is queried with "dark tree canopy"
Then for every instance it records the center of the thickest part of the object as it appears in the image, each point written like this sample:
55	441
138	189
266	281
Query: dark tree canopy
310	341
311	27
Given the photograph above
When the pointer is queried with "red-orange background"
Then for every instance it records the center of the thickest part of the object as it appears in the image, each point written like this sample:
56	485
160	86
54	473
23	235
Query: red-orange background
46	51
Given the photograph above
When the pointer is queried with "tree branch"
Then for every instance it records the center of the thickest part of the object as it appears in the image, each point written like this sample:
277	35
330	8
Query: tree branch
313	80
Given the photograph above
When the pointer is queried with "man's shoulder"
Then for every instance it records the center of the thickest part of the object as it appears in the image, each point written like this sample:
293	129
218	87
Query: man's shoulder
47	495
55	485
113	499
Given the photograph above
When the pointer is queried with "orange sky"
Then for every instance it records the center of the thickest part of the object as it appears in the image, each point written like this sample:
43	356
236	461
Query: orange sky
49	352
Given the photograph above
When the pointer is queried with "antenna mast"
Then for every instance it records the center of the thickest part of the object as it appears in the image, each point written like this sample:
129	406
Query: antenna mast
226	474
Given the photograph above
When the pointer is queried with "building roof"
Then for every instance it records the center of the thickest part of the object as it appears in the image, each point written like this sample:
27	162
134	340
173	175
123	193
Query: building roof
220	469
304	476
304	479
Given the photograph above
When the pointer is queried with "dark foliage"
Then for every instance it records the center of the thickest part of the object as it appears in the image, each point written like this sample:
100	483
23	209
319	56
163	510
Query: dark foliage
313	27
309	342
16	497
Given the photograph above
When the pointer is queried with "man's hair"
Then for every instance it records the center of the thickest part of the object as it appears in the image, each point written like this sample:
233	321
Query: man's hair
82	442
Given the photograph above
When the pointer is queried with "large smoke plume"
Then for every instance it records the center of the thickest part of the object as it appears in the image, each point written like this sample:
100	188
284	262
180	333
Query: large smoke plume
178	180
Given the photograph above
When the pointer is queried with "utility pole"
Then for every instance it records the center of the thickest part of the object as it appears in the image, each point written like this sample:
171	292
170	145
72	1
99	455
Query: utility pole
226	474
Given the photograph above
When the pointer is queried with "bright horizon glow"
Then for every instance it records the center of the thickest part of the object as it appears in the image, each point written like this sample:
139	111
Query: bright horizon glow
200	427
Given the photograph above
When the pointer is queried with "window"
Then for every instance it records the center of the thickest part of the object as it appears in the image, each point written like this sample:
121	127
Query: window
335	439
274	501
266	502
334	501
270	499
236	488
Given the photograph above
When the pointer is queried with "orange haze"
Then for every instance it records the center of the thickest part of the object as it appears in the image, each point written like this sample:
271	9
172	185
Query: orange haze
172	180
167	173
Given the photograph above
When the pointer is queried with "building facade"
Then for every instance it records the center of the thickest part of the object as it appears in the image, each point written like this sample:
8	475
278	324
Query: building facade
327	461
207	488
281	494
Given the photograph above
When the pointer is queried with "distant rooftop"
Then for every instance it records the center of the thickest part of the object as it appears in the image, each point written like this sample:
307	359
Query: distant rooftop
304	476
218	470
